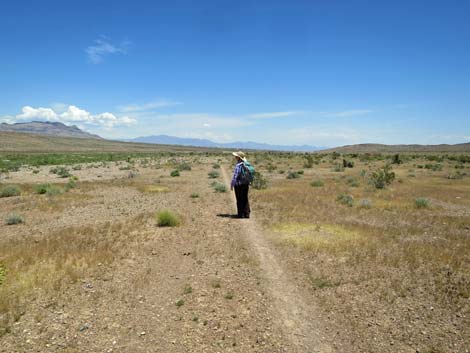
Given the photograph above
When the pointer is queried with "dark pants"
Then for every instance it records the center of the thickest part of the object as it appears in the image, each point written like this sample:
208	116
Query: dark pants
243	205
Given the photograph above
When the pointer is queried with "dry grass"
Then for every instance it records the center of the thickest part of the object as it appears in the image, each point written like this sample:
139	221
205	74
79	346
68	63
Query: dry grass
43	267
417	248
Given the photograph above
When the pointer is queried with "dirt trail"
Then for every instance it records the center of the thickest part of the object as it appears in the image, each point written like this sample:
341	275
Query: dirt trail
296	319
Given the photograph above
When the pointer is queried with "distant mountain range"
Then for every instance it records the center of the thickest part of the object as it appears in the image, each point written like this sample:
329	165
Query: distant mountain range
48	128
172	140
60	130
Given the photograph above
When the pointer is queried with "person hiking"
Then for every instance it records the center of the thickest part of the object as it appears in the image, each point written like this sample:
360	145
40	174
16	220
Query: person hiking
241	184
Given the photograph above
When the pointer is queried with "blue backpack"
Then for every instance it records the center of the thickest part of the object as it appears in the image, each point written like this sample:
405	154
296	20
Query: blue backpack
248	173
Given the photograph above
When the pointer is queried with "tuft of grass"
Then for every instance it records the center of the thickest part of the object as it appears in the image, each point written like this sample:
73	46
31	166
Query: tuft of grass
10	190
219	187
213	174
3	273
194	195
175	173
345	199
187	289
14	219
179	303
351	181
228	295
216	166
54	190
167	218
421	202
365	203
184	166
293	175
215	283
322	282
61	172
317	183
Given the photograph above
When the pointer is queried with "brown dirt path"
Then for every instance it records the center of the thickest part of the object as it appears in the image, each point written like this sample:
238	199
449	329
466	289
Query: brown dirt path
295	317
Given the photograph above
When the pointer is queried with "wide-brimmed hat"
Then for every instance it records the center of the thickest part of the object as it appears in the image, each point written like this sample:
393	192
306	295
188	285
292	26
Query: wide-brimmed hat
239	154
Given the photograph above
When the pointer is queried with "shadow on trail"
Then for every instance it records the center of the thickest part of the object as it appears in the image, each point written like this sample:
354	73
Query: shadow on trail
227	215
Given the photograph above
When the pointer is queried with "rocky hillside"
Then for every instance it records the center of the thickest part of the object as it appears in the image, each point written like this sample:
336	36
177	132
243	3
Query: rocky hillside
48	128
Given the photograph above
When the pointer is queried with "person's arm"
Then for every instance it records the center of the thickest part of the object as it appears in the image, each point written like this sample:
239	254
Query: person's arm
236	171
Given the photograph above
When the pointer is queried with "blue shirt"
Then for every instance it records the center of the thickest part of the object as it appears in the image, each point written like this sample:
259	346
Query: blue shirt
236	172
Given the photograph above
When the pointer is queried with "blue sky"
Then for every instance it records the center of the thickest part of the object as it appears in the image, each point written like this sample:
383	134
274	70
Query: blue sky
323	73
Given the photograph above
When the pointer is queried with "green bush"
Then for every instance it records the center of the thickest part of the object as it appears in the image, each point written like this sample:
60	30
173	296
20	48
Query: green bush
54	190
42	188
317	183
61	171
219	187
213	174
382	177
175	173
14	219
259	182
184	166
293	175
348	164
345	199
167	218
351	181
9	191
421	202
338	168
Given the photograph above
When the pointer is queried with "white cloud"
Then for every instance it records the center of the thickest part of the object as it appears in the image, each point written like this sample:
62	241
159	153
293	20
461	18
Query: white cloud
346	113
37	113
72	114
275	114
160	103
104	47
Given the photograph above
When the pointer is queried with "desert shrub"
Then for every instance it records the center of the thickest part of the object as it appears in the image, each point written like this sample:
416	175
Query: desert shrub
348	163
61	172
41	188
396	159
293	175
194	195
10	190
126	167
72	184
213	174
54	190
317	183
184	166
365	203
301	172
219	187
167	218
259	182
216	166
308	163
175	173
36	171
382	177
338	168
421	202
345	199
14	219
77	167
351	181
